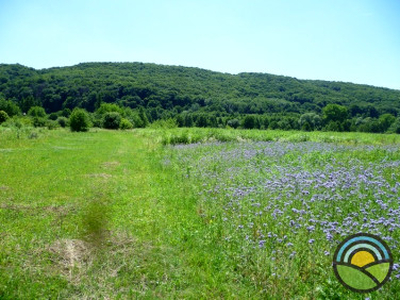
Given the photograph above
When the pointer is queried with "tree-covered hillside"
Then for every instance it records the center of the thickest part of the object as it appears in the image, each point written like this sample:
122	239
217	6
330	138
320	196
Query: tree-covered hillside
173	92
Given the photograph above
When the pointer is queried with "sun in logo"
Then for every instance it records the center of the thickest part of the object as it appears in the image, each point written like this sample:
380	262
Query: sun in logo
363	262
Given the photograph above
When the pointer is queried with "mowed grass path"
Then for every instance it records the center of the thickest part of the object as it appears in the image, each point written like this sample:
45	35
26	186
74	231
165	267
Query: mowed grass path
102	215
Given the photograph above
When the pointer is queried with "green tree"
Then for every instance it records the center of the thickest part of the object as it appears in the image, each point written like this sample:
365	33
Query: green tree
386	121
9	107
395	127
180	121
312	119
334	113
249	122
111	120
79	120
234	123
37	111
201	121
188	120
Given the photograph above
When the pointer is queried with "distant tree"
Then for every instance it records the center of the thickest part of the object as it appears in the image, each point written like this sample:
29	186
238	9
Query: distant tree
111	120
334	113
306	126
314	121
355	110
180	121
53	116
386	121
3	116
188	120
395	127
66	112
273	125
234	123
9	107
27	103
249	122
333	126
372	112
265	122
213	121
37	111
201	121
79	120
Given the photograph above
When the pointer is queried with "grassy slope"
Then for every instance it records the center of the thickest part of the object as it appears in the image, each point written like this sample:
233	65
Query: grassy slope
102	214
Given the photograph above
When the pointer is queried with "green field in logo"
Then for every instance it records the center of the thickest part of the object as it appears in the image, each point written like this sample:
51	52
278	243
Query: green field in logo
363	262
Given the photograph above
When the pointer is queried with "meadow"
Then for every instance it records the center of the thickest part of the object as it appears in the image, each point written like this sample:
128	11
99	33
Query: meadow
190	213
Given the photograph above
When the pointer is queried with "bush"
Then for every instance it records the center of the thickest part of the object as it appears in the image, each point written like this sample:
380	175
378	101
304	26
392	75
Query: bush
234	123
9	107
51	124
111	120
109	107
39	122
62	121
53	116
3	116
79	120
37	111
125	124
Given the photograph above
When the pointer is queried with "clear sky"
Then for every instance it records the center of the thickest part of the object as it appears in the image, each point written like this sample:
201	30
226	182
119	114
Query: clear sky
342	40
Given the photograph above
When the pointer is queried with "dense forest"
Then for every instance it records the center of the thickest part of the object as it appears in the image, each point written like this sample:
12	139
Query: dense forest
136	94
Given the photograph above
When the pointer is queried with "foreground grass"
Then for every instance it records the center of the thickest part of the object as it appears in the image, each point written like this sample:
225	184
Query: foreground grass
111	215
93	215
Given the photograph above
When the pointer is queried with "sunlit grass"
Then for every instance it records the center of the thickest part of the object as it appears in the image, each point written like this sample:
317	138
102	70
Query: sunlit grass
109	214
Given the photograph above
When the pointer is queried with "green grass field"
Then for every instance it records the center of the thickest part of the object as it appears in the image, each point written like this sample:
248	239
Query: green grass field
126	214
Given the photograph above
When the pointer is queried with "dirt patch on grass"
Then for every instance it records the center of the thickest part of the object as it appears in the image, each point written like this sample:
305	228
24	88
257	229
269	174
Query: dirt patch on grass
71	252
4	188
110	164
99	175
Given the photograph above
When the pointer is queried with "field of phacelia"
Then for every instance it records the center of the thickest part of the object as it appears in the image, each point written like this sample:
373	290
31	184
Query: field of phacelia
279	209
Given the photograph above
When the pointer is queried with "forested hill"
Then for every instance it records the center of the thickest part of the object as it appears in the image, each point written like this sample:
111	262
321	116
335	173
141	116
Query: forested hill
181	89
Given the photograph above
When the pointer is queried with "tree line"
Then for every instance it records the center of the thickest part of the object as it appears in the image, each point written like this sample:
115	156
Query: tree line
137	94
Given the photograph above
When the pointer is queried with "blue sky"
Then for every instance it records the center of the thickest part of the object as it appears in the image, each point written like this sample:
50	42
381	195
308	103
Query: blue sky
342	40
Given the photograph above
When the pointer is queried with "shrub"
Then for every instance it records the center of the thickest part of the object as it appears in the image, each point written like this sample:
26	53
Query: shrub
125	124
39	122
62	121
234	123
53	116
111	120
109	107
37	111
79	120
3	116
51	124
